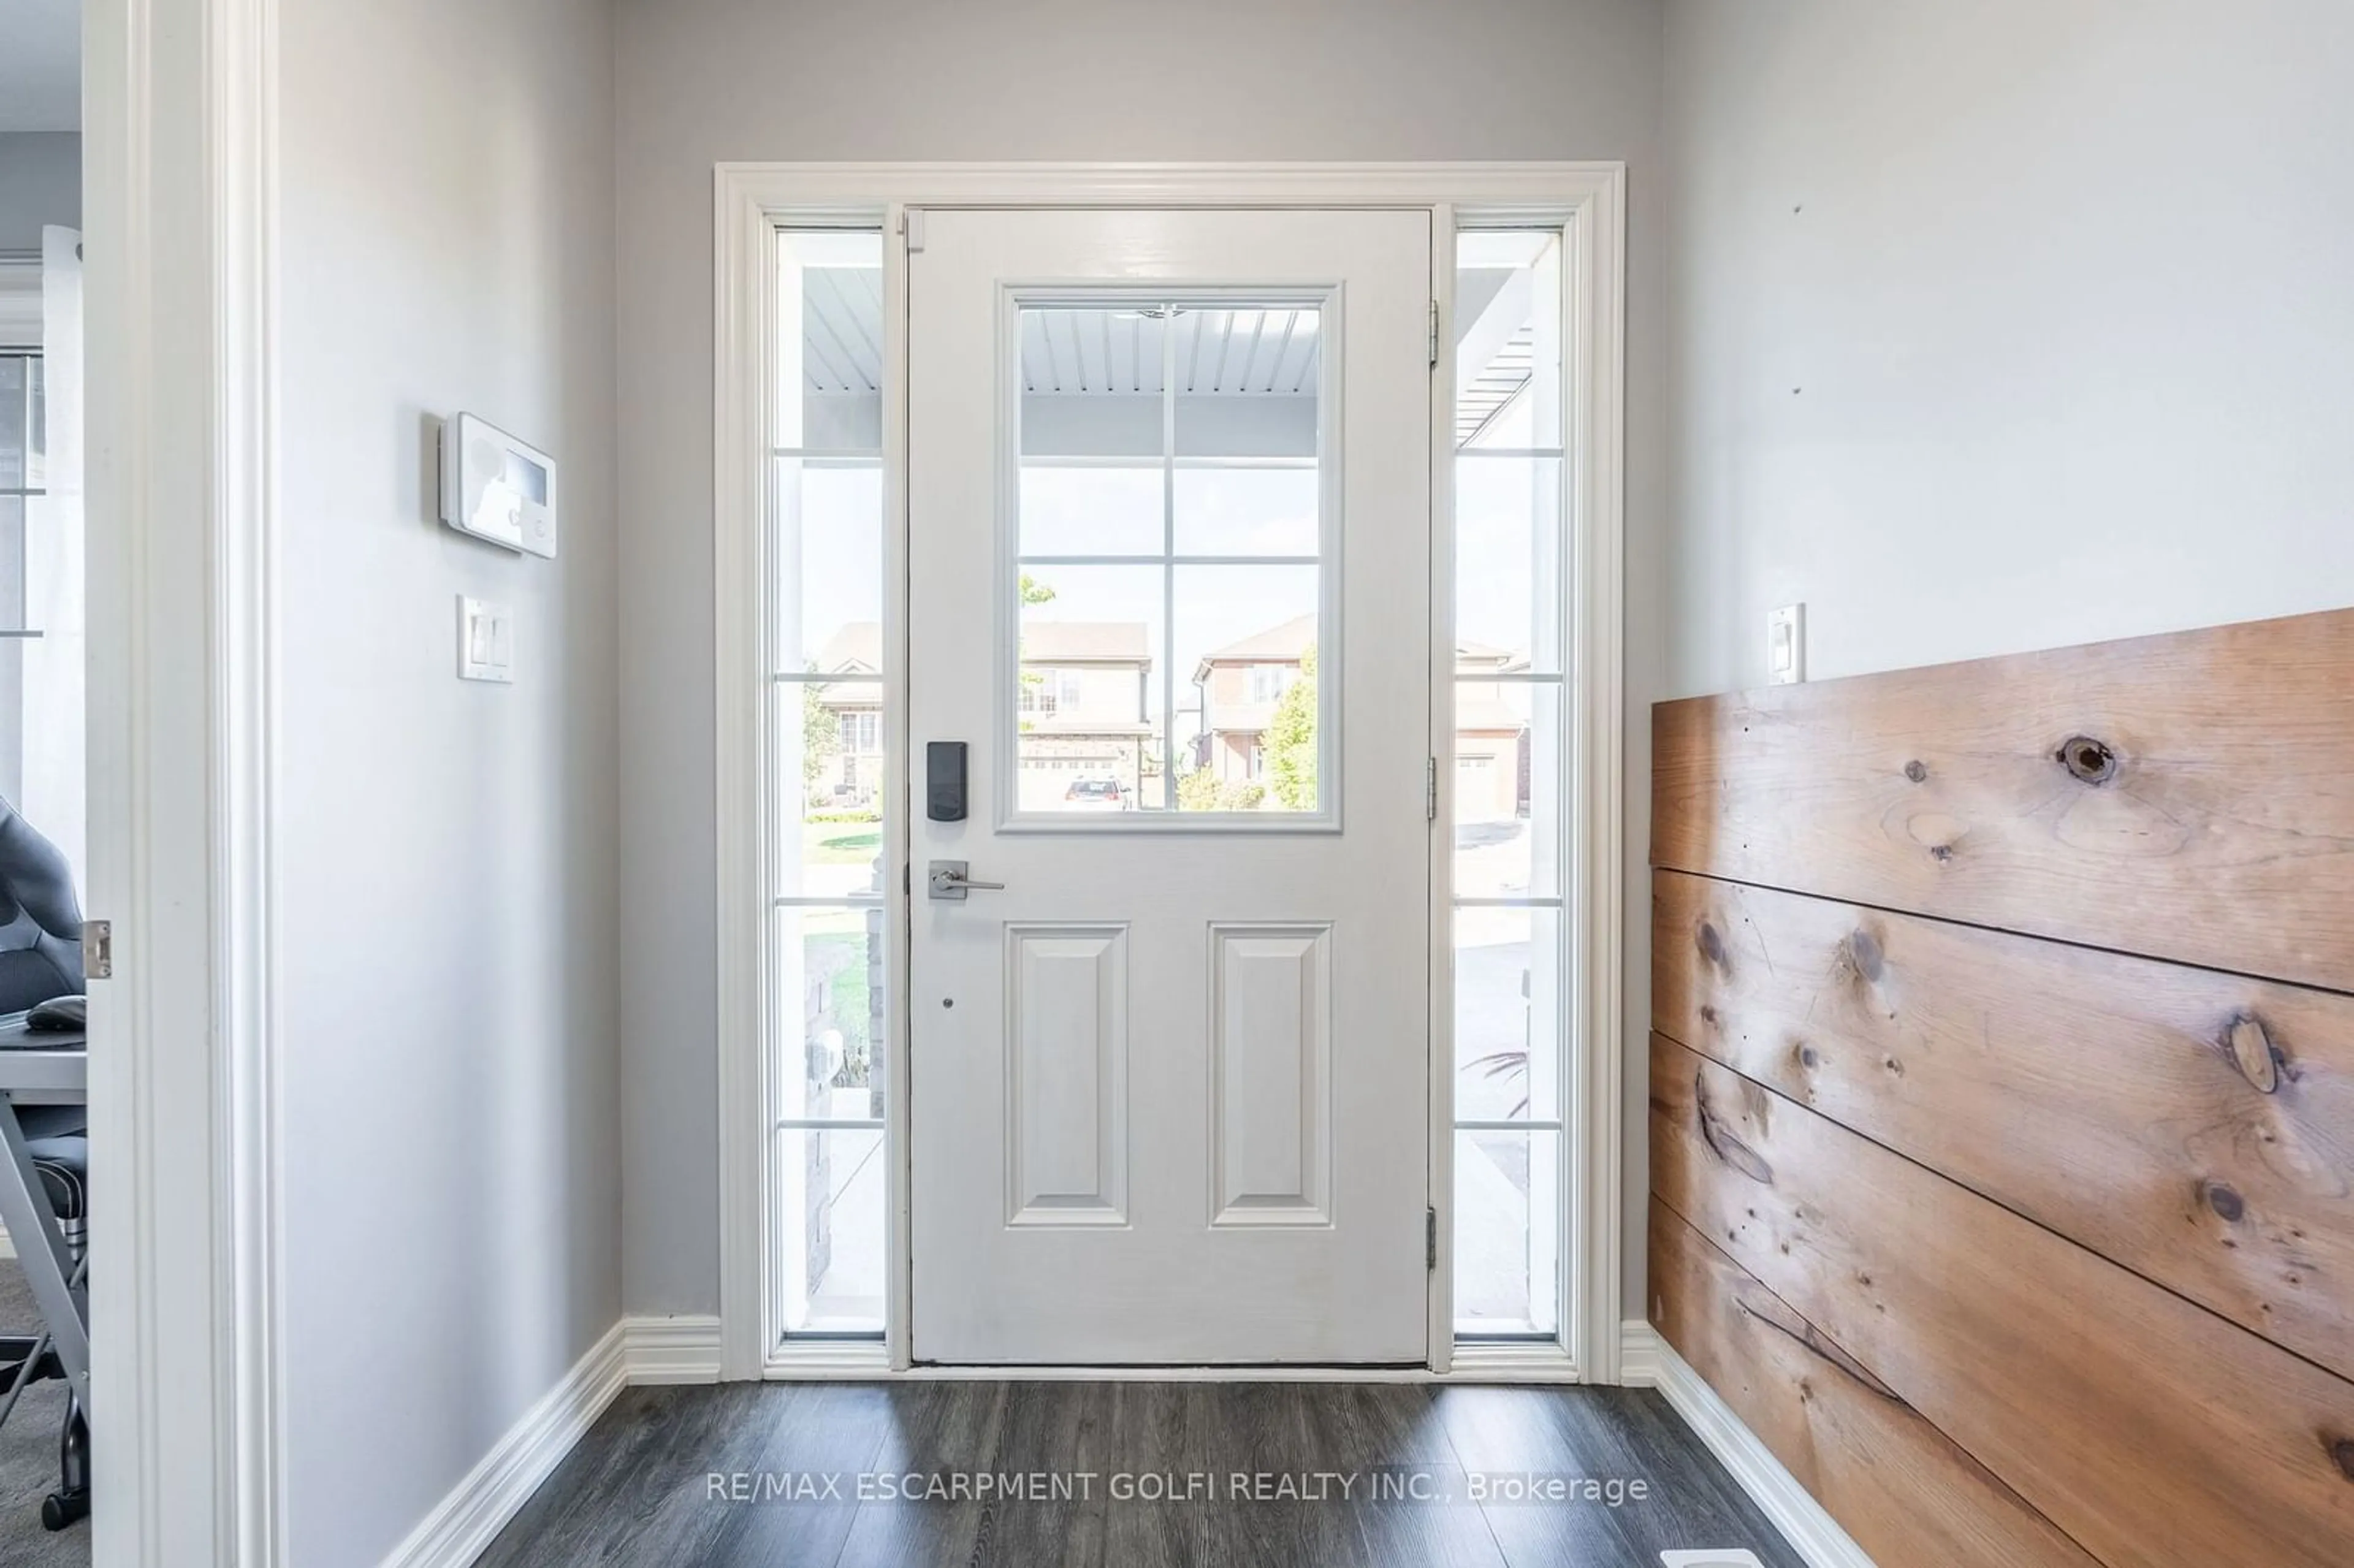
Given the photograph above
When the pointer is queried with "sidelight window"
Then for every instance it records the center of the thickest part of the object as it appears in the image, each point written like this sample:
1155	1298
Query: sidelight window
1511	640
829	730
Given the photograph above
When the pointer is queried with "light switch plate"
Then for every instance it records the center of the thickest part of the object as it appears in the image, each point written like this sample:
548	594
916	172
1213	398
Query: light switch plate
1785	645
485	640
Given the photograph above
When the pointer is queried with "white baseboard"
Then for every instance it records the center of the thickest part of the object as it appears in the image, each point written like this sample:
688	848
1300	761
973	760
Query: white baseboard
1648	1361
455	1533
634	1351
672	1349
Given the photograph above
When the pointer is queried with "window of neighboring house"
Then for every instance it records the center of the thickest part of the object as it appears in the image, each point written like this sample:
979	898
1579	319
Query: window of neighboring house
1047	693
1512	576
862	732
1270	682
1257	758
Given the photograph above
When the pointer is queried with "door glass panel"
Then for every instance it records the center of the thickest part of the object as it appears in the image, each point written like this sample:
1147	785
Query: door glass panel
1509	578
826	514
1507	1004
829	394
1088	689
1092	508
1508	772
1235	508
1246	731
1172	519
830	996
827	754
832	1194
15	372
1507	1233
1508	339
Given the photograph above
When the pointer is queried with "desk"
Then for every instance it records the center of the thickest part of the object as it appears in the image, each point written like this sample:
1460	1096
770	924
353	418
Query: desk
43	1069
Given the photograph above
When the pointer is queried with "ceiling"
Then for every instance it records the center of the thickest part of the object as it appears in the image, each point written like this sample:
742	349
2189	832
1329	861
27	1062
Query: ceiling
842	328
1216	352
40	64
1091	351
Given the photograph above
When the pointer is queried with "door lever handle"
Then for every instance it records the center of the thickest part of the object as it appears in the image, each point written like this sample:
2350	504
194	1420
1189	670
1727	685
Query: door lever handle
946	879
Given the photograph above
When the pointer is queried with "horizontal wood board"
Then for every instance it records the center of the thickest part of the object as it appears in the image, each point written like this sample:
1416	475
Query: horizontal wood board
1897	1485
2195	1126
2188	797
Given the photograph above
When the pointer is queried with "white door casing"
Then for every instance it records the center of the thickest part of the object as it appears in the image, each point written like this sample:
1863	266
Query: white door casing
1168	1088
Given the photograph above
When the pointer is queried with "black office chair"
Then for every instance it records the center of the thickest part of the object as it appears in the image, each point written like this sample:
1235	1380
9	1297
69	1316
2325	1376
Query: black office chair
40	960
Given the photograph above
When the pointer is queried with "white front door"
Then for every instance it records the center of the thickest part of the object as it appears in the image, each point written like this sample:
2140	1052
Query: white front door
1168	506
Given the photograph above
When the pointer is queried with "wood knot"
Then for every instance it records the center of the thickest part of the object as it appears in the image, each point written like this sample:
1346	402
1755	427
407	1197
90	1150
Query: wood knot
2252	1052
2341	1453
1722	1142
1809	1056
1707	1015
2229	1206
1711	944
1941	854
1916	771
1863	951
2087	760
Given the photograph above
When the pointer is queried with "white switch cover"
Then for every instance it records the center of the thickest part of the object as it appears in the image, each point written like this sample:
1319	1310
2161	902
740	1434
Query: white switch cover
1785	645
485	640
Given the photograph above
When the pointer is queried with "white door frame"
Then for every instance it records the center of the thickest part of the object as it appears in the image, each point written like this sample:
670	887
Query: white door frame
752	200
180	201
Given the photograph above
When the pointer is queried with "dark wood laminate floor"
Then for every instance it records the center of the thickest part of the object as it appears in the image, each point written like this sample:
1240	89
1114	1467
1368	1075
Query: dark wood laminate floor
776	1474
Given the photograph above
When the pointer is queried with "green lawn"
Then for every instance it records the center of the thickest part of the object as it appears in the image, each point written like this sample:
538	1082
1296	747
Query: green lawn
840	843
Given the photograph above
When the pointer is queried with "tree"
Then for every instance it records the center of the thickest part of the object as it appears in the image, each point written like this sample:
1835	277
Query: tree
1290	739
1031	591
1203	791
1197	791
820	734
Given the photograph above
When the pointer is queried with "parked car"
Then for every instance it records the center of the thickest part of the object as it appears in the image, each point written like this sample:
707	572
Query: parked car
1096	795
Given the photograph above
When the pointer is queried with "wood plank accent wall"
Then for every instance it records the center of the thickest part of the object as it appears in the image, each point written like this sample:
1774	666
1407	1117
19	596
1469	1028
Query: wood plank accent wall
2002	1095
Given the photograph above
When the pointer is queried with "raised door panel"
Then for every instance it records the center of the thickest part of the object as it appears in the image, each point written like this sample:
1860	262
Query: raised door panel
1270	1055
1067	1030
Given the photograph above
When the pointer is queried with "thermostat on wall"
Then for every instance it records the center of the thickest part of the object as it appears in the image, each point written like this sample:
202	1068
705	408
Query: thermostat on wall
496	487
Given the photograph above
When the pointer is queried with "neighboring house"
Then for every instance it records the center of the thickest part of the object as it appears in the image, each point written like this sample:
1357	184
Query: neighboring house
1081	708
850	777
1491	739
1239	685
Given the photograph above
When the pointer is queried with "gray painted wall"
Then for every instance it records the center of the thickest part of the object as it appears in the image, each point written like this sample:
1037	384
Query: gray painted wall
701	81
2005	325
40	182
451	1180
